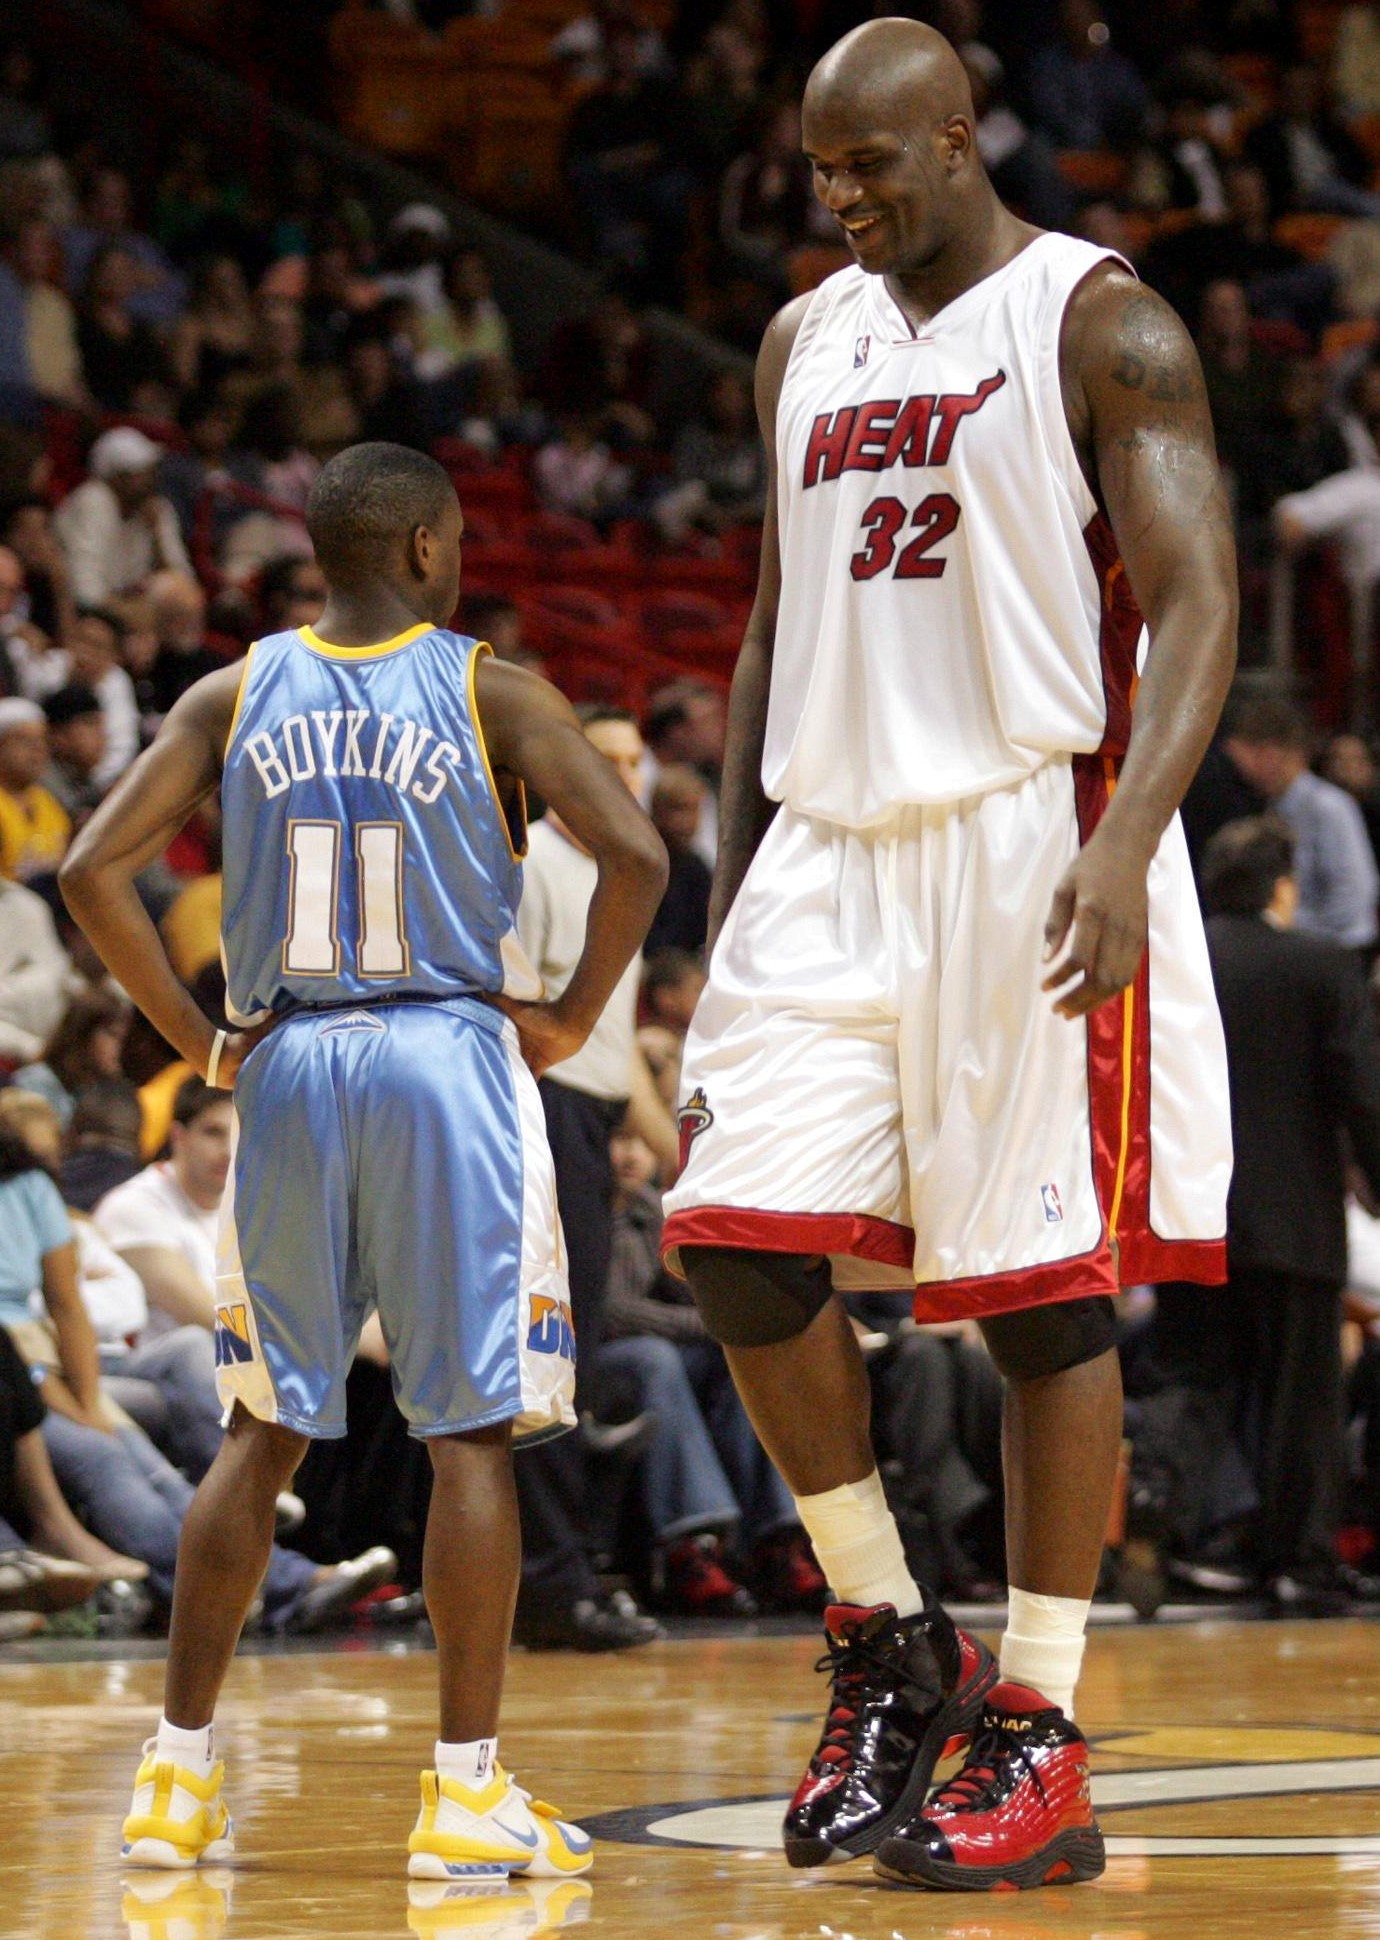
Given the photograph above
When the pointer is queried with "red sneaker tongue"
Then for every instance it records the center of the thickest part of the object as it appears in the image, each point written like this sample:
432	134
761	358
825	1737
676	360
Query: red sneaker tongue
1017	1699
839	1614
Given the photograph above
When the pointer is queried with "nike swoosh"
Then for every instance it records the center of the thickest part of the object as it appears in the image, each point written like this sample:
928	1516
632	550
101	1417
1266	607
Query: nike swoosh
522	1838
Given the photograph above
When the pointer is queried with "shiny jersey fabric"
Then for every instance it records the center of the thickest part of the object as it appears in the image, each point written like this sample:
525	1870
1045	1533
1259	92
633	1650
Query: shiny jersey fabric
367	855
953	612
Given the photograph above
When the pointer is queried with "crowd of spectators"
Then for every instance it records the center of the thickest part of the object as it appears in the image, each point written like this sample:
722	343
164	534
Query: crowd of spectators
177	359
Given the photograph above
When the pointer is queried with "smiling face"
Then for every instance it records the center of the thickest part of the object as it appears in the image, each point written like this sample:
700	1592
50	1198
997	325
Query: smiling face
887	128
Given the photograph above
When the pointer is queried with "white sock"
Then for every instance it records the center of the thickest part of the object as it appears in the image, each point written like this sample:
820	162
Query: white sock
194	1751
859	1546
471	1765
1043	1644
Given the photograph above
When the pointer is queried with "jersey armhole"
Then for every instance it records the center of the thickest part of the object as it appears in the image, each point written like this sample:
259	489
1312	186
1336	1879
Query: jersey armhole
239	701
512	814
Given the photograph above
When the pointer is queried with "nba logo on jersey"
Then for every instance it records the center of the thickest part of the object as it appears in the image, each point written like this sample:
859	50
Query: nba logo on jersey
860	350
1054	1211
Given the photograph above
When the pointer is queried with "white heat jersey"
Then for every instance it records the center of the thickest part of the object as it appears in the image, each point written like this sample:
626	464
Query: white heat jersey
953	611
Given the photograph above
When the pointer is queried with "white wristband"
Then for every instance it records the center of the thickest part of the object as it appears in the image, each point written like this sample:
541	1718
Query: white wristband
213	1066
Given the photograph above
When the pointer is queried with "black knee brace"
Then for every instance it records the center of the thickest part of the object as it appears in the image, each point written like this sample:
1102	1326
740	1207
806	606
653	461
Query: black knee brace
1047	1340
752	1299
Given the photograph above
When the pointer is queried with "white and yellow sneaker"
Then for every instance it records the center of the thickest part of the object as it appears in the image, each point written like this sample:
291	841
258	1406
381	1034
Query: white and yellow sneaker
176	1819
508	1909
485	1831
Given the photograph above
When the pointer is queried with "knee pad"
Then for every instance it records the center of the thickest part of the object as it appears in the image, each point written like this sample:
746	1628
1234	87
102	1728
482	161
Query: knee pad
752	1299
1049	1340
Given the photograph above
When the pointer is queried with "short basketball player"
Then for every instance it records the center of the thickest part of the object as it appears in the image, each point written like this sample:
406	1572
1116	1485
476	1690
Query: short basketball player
959	1030
391	1150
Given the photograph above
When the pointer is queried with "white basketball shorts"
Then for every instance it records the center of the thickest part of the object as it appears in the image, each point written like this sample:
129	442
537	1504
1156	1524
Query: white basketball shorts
873	1072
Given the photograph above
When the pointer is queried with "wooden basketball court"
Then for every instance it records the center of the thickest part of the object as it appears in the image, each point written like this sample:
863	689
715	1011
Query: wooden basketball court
1238	1776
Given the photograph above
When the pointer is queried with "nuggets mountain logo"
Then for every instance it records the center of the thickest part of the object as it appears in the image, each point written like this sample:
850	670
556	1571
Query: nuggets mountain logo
693	1118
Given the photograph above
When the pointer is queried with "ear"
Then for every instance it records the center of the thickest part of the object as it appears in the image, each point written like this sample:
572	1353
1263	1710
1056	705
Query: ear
956	141
419	551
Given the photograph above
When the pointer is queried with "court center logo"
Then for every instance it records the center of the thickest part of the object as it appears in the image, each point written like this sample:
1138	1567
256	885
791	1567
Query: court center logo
1181	1767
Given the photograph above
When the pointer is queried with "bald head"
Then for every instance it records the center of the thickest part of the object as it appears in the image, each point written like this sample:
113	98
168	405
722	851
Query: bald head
888	126
898	70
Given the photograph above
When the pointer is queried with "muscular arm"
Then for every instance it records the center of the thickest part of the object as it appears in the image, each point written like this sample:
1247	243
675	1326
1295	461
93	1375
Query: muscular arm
135	823
744	810
1137	408
532	733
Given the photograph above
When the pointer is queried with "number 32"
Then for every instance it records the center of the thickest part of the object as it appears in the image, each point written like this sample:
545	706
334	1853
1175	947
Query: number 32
934	518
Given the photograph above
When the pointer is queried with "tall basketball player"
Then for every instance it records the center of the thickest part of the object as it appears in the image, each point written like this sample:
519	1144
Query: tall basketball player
391	1149
959	1031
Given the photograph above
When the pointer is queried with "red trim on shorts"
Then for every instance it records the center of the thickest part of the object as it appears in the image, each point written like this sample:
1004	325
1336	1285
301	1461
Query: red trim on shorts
856	1234
1118	634
1084	1277
1123	1181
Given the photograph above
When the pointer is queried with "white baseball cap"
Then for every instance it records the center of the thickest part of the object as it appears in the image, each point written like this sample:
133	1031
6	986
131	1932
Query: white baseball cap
122	450
17	712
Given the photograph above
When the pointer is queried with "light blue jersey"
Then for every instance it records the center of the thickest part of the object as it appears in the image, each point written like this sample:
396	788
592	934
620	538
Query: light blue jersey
367	854
391	1149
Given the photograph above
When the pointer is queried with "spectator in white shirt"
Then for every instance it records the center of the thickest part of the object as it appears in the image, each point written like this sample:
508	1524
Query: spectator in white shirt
35	973
116	530
163	1221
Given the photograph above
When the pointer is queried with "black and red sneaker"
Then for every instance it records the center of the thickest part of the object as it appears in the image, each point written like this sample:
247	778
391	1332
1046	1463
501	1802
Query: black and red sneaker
1019	1812
906	1692
698	1585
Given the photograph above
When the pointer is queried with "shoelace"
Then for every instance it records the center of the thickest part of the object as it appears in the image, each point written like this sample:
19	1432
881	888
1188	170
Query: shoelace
970	1789
849	1659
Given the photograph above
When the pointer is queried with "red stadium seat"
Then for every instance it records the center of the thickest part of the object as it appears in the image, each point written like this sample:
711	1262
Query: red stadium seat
578	603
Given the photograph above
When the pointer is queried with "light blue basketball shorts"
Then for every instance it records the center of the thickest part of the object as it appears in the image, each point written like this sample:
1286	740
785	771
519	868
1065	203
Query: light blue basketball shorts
394	1156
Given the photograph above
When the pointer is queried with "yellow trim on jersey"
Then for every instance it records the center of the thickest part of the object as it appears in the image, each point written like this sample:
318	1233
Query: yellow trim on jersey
1128	1032
239	699
483	647
395	645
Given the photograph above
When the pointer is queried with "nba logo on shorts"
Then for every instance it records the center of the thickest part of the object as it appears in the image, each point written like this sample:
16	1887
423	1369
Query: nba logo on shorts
1054	1211
860	350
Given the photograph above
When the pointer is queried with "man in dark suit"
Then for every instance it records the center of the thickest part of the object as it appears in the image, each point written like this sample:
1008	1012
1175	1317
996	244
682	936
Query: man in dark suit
1304	1060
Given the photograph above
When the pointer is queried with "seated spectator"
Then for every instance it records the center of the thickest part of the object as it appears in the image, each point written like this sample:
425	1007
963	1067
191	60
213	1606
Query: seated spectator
671	986
720	467
158	292
85	1049
602	362
1183	168
102	1145
34	827
76	747
1278	281
122	357
467	326
131	1496
34	972
1083	93
706	1484
414	255
389	404
25	131
1333	869
62	1551
1295	449
24	648
1349	762
582	48
212	464
662	1050
1021	163
215	334
765	205
292	593
624	167
163	1222
497	619
682	920
28	532
1242	378
54	356
1309	158
94	661
686	722
183	656
115	530
578	474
